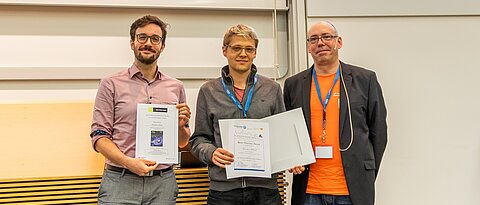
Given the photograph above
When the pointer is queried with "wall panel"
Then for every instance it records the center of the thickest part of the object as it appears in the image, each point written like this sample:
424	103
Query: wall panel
426	64
91	42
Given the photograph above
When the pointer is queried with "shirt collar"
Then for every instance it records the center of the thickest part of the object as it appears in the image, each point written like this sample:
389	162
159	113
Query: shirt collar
133	70
226	74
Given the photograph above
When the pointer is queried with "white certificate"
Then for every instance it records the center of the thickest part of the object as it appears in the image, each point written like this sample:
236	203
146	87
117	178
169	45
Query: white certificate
289	145
157	133
249	141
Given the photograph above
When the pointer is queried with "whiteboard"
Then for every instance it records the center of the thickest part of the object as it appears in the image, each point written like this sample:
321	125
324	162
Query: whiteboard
210	4
90	43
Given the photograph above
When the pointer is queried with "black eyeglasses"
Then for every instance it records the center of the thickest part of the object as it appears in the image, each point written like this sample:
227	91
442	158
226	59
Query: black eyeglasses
154	39
324	38
238	49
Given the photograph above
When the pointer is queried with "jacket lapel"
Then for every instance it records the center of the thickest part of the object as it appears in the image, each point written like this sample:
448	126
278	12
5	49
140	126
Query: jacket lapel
307	83
347	78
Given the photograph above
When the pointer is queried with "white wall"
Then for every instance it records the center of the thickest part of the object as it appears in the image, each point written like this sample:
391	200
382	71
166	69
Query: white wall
428	67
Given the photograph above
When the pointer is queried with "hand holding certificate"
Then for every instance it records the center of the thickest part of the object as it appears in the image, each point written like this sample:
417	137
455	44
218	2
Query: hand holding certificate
265	146
157	133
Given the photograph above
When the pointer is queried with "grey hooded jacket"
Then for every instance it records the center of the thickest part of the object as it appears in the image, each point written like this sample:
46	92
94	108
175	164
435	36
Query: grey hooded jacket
214	104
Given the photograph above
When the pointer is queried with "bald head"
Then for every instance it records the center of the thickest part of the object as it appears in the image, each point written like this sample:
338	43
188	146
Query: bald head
323	25
323	45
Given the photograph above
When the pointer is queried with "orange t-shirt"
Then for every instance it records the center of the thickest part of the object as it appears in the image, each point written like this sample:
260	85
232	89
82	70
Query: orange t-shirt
326	175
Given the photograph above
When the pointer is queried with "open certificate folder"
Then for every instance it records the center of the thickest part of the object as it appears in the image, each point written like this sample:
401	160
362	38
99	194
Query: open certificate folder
285	134
157	133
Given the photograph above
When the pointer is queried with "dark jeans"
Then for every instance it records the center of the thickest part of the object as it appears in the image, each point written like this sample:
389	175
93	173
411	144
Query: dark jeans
322	199
245	196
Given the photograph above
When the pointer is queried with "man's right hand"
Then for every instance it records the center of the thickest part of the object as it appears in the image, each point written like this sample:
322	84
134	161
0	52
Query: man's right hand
222	157
140	166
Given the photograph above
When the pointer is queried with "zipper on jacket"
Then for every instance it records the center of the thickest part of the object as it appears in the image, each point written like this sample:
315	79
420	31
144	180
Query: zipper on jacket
244	183
245	91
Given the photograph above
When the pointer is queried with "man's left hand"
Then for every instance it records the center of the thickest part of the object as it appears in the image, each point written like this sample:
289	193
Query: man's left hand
183	114
297	169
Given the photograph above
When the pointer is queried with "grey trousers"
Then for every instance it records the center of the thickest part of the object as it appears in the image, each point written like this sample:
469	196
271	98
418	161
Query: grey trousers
118	188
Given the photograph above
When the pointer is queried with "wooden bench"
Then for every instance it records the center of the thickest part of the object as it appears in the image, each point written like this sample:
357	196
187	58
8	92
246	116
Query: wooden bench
193	185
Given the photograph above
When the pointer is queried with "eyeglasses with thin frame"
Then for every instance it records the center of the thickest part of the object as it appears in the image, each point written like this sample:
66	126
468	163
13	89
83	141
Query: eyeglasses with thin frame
325	38
238	49
154	39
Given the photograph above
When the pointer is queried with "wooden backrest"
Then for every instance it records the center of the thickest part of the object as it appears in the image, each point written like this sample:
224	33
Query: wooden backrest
193	185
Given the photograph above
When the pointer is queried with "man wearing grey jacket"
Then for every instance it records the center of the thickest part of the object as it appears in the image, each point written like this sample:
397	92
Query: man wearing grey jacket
239	93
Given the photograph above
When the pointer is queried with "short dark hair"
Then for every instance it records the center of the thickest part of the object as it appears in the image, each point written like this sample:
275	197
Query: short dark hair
145	20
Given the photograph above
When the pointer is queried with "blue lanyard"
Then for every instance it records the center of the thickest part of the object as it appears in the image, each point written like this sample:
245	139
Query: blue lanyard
234	99
327	98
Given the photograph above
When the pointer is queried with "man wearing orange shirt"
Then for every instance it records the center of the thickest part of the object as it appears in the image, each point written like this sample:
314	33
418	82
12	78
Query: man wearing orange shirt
345	113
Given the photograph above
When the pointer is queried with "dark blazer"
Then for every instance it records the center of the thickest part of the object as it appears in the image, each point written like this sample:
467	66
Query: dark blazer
362	160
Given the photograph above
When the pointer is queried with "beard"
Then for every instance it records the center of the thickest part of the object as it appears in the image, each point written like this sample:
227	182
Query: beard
146	60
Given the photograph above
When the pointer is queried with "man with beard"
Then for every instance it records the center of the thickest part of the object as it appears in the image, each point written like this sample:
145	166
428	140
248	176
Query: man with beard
345	112
126	179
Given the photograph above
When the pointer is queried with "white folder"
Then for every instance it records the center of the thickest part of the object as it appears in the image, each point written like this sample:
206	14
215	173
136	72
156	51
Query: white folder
290	144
